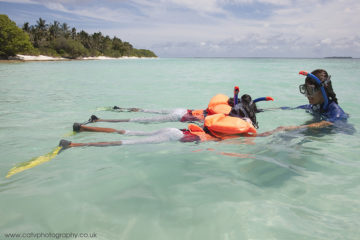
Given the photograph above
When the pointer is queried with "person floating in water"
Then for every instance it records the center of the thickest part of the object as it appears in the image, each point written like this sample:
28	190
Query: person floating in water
218	104
241	121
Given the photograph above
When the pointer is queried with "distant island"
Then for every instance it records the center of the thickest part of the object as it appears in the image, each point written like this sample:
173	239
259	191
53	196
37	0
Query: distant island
339	57
58	40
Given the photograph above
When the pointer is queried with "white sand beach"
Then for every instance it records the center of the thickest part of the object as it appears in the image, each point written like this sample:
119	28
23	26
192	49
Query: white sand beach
36	58
20	57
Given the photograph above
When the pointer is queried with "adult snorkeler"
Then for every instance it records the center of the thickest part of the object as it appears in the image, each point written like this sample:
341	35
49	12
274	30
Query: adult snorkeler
323	104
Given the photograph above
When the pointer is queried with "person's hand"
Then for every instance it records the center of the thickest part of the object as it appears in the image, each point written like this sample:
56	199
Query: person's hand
278	129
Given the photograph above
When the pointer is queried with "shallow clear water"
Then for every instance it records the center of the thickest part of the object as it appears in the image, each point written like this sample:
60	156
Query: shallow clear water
293	185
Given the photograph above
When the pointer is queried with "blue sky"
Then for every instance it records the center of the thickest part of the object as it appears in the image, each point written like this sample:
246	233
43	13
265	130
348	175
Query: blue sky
209	28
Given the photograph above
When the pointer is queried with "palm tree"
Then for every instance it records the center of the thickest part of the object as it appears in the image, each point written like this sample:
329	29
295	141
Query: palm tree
26	27
40	31
65	30
84	39
54	30
41	24
73	33
96	40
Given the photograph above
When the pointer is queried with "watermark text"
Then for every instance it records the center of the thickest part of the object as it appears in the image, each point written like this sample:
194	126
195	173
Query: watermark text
50	235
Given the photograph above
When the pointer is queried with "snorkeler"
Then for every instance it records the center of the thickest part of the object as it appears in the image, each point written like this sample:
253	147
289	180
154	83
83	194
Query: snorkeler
221	102
241	121
322	98
323	104
218	104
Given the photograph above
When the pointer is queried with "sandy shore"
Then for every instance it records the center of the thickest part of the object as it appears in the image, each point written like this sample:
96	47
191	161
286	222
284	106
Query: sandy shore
48	58
36	58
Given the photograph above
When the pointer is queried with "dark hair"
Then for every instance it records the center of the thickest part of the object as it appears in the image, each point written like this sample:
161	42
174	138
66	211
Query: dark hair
248	106
323	76
231	102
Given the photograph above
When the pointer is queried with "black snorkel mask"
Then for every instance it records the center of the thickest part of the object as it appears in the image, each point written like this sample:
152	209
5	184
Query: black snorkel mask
310	91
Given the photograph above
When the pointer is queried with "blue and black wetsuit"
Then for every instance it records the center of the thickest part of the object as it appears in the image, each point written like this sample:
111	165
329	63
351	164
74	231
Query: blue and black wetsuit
332	113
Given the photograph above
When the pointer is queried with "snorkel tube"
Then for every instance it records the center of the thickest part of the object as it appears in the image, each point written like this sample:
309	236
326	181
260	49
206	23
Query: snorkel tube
318	82
263	99
236	93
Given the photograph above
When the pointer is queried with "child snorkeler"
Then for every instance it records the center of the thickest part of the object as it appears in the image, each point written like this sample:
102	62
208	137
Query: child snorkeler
240	122
218	104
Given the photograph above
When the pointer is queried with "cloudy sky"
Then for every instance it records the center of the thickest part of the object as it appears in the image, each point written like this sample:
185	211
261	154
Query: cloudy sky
209	28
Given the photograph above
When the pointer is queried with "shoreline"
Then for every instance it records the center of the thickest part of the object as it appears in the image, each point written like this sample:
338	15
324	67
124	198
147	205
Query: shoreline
26	58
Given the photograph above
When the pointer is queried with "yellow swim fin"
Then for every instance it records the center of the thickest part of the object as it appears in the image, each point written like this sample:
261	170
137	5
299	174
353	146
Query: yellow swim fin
69	134
34	162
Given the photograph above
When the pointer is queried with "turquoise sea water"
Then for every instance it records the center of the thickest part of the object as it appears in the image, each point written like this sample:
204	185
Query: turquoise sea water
292	185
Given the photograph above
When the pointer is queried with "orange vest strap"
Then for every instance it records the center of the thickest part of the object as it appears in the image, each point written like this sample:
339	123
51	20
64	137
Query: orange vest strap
199	114
198	131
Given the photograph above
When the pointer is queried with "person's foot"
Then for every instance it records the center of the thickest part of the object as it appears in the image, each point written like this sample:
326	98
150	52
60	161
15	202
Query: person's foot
64	143
93	118
76	127
134	109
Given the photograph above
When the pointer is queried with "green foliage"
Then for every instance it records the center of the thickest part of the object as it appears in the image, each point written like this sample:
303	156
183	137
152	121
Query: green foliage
56	39
13	40
143	53
49	52
69	48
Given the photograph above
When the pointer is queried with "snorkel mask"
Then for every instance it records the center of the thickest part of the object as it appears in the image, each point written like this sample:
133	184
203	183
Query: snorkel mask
239	111
246	109
310	91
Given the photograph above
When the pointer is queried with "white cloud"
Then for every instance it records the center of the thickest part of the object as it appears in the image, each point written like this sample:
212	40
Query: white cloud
277	2
326	41
55	6
19	1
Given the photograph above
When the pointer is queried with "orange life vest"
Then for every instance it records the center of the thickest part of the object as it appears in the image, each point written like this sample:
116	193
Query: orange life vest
198	131
221	125
219	104
199	114
193	115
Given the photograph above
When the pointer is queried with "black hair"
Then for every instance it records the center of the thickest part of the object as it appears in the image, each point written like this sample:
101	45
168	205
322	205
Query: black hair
246	104
231	102
323	76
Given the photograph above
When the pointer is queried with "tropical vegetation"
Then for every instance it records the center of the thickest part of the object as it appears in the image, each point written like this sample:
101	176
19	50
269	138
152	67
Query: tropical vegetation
13	40
60	40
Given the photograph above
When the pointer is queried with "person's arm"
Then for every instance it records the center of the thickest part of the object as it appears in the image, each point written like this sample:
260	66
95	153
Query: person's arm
321	124
284	108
